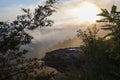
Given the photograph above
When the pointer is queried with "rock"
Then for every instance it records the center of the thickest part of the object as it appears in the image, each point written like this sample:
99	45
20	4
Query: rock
62	59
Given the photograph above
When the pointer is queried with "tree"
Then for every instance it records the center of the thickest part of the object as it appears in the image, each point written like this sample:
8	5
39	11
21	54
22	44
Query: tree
13	35
95	55
112	23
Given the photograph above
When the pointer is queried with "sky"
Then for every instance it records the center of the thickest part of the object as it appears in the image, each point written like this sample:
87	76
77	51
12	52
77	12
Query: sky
71	15
66	12
8	3
9	9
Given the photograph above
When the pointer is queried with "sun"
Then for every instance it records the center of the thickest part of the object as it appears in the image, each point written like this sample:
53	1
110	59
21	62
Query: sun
88	12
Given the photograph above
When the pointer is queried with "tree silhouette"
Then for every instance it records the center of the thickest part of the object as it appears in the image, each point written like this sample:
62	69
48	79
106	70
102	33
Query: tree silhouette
112	23
13	35
95	56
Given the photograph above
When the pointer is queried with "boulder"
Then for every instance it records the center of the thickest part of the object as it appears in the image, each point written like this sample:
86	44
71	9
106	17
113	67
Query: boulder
62	59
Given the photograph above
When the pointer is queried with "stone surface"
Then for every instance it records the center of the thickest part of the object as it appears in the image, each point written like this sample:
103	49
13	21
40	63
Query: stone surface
62	59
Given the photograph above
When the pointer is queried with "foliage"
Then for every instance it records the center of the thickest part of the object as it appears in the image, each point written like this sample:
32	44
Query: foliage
95	51
73	74
13	35
112	22
45	76
89	36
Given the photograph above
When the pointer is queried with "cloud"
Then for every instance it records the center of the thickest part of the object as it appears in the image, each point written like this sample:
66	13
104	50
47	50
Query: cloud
106	3
46	38
9	13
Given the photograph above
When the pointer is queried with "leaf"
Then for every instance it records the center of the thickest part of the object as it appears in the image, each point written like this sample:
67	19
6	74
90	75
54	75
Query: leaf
107	28
109	34
104	13
1	23
113	10
25	10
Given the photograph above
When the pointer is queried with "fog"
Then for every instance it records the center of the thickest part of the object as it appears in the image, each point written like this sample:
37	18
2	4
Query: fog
51	38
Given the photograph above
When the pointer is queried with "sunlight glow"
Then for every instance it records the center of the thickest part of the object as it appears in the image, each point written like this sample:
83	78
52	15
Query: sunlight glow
88	12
